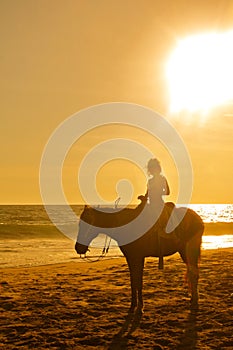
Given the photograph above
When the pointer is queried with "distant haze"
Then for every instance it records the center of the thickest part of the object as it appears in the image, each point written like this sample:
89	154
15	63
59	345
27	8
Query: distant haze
58	57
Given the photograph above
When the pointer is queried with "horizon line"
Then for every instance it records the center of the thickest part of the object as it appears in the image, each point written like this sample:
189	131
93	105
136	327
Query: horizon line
103	205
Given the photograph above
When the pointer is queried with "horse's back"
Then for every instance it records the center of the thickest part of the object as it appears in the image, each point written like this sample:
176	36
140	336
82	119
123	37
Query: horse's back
191	223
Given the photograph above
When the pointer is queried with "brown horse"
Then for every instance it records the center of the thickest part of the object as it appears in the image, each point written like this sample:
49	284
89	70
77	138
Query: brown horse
150	244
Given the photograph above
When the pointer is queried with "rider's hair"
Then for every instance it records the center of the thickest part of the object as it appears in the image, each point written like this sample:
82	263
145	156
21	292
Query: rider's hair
153	166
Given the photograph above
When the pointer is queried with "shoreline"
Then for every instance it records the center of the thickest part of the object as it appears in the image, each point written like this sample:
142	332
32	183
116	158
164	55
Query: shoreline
35	245
32	253
80	261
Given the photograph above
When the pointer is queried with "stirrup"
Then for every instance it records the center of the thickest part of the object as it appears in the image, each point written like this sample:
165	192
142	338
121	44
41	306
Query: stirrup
162	233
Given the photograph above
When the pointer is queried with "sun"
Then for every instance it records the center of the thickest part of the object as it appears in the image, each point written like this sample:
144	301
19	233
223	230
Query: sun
200	72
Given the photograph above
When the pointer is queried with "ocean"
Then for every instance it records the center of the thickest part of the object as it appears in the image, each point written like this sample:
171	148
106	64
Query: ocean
29	238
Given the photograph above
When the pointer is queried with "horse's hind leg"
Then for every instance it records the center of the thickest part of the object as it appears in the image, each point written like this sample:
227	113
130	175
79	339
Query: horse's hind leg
136	276
193	255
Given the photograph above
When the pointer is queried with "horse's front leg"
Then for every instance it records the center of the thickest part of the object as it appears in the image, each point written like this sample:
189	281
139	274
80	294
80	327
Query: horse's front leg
136	279
193	276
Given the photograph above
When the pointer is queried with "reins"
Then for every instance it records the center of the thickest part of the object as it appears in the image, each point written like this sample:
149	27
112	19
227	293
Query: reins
102	255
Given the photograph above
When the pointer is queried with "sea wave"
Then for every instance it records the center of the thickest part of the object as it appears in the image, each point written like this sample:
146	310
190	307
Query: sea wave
36	214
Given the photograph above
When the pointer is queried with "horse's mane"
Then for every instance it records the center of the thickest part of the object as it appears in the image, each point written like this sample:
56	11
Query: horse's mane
109	217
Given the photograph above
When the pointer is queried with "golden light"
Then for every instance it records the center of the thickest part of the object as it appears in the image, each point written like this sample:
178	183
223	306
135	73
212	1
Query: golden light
200	72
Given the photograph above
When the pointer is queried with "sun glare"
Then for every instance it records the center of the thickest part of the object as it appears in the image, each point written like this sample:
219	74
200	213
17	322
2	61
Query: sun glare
200	72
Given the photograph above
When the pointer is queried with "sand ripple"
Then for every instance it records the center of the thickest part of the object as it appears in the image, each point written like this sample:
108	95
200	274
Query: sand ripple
80	305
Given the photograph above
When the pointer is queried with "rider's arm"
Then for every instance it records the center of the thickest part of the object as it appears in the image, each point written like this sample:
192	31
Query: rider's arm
166	188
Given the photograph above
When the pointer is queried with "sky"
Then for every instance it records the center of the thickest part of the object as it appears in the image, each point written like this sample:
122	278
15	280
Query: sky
59	57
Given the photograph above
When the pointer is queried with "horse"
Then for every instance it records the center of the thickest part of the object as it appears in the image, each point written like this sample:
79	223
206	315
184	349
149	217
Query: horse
149	244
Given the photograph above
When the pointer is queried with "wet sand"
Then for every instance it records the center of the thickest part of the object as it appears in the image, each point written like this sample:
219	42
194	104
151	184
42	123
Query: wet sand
84	306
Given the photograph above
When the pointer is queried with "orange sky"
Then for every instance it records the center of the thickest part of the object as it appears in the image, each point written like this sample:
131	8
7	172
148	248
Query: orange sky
58	57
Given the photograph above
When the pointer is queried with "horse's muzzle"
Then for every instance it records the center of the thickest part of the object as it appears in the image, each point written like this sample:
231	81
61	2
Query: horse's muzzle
80	248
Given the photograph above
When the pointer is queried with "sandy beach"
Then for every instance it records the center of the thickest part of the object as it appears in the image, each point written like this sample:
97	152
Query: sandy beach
81	305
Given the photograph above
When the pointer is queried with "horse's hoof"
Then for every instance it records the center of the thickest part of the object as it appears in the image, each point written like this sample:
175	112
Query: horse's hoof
194	306
139	311
131	309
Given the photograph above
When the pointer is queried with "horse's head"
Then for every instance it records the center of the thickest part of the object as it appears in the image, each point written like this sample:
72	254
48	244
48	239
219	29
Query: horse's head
87	231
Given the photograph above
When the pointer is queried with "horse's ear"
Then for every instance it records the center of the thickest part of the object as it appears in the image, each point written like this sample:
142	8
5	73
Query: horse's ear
86	206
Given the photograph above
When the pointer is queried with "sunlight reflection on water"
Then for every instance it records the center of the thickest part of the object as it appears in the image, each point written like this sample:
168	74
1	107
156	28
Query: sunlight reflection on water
215	242
214	212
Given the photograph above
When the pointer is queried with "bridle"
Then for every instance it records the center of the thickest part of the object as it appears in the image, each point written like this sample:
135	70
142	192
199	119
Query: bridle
102	255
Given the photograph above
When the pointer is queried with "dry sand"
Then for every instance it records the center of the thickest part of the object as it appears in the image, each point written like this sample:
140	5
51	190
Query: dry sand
84	306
